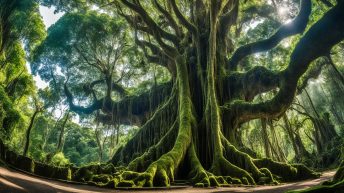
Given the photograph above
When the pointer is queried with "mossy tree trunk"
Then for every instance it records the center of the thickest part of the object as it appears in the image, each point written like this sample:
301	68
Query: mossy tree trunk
195	140
266	140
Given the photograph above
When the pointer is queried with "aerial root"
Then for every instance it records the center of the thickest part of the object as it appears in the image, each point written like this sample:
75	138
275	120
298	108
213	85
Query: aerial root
216	176
243	161
158	174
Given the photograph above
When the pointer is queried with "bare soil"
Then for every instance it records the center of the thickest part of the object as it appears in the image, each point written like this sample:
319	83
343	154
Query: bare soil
12	181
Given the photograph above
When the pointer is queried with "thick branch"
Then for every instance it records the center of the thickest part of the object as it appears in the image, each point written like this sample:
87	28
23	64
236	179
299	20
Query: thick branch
229	18
187	24
247	85
157	57
169	17
298	25
132	110
96	105
157	32
258	80
317	42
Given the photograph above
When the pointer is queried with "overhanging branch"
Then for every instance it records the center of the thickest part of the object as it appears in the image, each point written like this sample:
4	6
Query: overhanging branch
247	85
298	25
317	42
134	109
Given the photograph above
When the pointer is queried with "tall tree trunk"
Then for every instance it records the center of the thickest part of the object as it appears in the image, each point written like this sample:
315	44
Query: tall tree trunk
28	131
300	145
276	144
213	98
99	143
290	133
325	127
63	126
265	138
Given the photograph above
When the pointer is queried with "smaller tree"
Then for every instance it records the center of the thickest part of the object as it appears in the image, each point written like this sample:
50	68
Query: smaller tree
38	109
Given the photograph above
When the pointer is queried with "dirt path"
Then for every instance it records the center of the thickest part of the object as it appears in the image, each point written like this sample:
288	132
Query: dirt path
12	182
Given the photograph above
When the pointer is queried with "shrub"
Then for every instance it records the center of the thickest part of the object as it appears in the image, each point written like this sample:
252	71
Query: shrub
59	160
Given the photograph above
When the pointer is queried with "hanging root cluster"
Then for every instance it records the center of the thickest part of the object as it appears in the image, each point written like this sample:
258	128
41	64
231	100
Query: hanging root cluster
189	137
166	149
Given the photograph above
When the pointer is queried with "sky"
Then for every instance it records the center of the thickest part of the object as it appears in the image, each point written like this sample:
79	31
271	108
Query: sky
48	15
49	18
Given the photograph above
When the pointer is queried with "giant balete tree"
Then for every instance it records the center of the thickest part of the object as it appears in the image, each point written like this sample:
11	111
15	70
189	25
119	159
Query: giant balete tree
188	125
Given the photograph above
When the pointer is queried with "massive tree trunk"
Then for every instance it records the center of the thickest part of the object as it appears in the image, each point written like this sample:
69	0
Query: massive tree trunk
190	135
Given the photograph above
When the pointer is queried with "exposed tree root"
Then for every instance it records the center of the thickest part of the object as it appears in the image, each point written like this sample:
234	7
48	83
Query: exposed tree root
286	172
225	161
166	143
241	159
161	172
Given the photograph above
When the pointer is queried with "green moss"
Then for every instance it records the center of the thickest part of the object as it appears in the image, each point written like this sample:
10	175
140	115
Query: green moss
161	172
85	173
102	178
220	180
304	172
225	167
206	182
268	178
9	116
245	181
199	185
129	175
236	181
144	180
229	179
285	171
213	182
161	178
125	184
63	173
107	169
111	184
241	163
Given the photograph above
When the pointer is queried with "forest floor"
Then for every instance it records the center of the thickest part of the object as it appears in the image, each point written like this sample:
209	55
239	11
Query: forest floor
12	181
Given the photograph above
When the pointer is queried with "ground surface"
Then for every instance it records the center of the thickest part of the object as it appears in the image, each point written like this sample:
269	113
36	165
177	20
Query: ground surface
12	181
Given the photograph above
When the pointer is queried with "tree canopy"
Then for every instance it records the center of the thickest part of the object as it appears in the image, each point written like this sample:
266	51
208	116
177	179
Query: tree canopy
197	85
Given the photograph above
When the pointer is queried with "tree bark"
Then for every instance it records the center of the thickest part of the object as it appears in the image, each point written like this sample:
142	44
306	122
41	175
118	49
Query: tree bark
63	126
28	131
192	126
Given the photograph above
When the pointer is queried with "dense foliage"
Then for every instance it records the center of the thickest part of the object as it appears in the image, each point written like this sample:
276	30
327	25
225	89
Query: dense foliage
216	92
